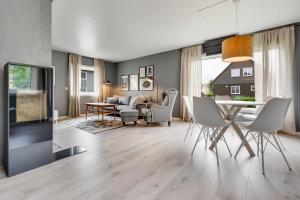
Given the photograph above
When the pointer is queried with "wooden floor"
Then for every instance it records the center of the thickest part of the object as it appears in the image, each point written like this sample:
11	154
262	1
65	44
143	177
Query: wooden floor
141	163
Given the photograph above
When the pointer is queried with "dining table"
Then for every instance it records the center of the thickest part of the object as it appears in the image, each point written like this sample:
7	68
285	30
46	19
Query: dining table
230	110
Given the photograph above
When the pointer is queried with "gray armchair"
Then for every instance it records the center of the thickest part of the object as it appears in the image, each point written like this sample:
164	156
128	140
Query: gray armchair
163	112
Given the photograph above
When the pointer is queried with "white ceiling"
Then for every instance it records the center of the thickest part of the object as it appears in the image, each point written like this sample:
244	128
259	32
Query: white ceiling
118	30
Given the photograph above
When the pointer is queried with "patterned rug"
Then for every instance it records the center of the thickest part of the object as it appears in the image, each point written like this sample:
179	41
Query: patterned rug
94	125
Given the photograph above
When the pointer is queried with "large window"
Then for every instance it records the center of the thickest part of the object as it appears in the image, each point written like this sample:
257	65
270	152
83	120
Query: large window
87	80
235	89
212	66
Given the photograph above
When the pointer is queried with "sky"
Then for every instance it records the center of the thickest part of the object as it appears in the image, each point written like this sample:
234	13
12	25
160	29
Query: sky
211	68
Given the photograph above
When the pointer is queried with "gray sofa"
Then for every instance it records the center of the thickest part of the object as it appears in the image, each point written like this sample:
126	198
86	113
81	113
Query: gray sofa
123	103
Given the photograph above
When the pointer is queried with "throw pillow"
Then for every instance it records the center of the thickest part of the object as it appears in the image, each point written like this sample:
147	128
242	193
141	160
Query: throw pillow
136	100
124	100
112	100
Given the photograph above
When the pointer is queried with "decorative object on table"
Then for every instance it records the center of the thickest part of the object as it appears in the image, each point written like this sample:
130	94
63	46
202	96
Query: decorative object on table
124	82
94	125
150	71
134	82
142	72
146	84
108	83
163	112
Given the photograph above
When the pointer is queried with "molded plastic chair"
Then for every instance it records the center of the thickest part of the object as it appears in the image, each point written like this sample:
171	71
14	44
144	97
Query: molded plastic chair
188	100
207	114
268	122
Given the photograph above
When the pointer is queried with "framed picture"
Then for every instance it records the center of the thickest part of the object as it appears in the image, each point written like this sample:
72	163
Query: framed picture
150	71
146	84
142	72
134	82
124	82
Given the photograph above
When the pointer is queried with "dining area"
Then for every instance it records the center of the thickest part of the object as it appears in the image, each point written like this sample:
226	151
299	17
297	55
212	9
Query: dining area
255	123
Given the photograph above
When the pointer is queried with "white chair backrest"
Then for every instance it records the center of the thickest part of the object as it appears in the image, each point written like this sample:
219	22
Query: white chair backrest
206	112
223	98
272	115
188	100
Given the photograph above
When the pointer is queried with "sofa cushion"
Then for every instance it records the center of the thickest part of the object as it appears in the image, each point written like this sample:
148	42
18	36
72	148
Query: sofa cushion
123	100
123	107
136	100
112	100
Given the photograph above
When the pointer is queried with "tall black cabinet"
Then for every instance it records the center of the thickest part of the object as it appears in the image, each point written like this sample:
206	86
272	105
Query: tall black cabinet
28	117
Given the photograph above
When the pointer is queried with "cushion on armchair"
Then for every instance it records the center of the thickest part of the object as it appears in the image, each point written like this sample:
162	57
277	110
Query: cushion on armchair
135	100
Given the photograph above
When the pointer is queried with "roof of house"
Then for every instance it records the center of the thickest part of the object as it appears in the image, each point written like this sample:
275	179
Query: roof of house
225	76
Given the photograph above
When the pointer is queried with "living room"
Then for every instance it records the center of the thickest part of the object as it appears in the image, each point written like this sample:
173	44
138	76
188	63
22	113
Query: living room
187	99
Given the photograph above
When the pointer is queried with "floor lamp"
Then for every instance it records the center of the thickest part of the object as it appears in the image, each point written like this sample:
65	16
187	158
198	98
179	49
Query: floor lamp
108	83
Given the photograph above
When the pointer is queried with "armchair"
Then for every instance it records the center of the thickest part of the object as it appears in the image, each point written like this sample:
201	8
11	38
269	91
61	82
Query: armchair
163	112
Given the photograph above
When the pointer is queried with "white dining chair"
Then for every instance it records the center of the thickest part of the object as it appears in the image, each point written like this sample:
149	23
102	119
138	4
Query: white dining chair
223	98
251	117
207	114
268	122
188	100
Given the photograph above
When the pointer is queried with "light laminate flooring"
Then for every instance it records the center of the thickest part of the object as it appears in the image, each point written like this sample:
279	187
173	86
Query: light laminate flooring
145	163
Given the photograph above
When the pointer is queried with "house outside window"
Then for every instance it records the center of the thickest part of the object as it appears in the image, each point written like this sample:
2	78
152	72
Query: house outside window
236	72
252	88
235	89
87	80
248	71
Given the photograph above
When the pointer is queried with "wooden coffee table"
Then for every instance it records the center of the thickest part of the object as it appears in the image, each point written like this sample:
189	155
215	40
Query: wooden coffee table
101	107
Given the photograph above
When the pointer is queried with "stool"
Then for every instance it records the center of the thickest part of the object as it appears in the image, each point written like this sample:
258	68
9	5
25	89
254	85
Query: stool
129	115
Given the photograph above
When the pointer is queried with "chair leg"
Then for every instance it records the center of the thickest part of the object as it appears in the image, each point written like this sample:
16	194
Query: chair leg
258	143
280	141
197	141
262	152
282	152
217	155
187	132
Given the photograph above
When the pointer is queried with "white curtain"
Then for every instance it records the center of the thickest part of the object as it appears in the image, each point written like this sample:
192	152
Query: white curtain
99	76
191	74
74	83
273	58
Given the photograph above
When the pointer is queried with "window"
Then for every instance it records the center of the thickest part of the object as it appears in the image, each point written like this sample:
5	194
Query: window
236	72
235	89
248	71
252	88
87	80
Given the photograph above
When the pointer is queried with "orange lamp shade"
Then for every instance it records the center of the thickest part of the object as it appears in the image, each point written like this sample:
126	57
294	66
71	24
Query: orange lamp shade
237	49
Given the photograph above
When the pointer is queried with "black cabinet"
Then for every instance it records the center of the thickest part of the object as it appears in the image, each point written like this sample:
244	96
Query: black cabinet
28	117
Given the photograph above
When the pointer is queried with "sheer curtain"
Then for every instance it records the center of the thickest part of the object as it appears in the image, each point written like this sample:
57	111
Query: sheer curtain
74	83
191	74
99	76
273	60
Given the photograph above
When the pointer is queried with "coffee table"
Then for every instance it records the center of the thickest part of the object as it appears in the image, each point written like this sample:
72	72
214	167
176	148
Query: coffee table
101	107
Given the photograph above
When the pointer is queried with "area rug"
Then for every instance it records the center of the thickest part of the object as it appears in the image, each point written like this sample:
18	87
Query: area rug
94	125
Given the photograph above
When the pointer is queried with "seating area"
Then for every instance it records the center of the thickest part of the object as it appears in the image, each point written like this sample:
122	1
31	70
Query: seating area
150	100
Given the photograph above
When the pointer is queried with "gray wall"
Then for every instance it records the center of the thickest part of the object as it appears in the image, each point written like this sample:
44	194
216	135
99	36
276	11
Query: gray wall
25	37
61	95
166	72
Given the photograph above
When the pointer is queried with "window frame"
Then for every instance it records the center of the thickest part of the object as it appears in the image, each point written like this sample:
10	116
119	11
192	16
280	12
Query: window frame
245	70
235	87
86	68
235	69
